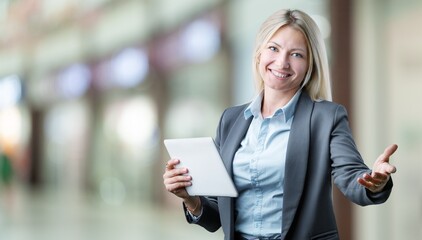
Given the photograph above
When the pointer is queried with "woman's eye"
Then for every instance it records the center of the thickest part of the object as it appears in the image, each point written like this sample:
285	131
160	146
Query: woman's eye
297	55
272	48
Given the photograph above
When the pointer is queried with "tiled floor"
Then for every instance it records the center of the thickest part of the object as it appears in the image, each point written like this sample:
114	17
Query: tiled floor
26	215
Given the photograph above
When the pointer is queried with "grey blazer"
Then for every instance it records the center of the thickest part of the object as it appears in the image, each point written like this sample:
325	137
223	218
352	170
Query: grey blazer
320	151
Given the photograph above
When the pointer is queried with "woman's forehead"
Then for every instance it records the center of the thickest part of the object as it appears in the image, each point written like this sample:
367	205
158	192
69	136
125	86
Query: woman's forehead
288	36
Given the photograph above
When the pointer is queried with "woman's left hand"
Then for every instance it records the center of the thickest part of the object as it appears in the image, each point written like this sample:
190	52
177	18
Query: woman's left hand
381	171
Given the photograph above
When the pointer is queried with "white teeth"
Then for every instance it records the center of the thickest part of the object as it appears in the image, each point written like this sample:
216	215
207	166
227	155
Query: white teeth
280	75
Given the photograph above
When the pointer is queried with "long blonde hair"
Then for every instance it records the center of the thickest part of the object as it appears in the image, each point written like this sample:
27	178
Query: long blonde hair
317	80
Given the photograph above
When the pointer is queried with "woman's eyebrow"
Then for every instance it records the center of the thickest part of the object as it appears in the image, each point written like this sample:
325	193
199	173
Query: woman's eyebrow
275	44
294	48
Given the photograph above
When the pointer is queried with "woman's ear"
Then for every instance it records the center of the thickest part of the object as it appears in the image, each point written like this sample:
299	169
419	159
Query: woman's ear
258	57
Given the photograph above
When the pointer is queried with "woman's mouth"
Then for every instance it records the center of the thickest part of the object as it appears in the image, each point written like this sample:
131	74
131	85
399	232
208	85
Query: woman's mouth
280	75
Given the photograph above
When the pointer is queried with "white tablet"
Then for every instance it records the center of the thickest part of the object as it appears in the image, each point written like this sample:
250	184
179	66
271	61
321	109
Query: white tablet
201	157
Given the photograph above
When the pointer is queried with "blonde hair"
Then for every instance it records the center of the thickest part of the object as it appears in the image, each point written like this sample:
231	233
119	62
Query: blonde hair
317	80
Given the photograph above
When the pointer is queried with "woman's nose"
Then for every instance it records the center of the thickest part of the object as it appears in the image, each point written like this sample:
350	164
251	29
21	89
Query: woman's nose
283	61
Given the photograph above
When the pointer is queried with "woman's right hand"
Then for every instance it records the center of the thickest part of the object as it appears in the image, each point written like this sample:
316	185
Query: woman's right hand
176	179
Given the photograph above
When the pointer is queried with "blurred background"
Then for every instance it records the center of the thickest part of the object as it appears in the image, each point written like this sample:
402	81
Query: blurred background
89	90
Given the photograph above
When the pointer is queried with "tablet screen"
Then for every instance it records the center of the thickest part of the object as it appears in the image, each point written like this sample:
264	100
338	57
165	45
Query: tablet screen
201	157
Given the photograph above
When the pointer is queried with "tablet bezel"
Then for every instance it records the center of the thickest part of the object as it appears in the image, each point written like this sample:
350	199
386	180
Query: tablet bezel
201	157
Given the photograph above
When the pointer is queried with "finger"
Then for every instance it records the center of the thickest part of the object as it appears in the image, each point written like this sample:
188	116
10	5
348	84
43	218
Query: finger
371	180
384	168
175	172
175	187
388	169
365	183
390	150
176	179
376	176
172	163
370	185
393	169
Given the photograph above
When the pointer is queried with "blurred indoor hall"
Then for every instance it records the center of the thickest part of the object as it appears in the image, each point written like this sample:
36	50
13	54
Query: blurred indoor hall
90	89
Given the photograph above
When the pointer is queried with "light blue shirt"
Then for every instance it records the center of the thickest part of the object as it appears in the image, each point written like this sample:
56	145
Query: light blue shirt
258	169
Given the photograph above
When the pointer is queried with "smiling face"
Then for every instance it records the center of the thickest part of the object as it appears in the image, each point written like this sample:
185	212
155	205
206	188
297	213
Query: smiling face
283	61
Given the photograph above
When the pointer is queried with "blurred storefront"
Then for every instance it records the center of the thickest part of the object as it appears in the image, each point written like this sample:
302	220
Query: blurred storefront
89	89
100	81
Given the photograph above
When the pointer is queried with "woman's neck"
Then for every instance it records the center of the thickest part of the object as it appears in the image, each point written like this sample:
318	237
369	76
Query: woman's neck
273	100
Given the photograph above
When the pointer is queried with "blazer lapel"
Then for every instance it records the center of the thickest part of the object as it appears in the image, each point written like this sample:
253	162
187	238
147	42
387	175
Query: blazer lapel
233	140
228	150
296	160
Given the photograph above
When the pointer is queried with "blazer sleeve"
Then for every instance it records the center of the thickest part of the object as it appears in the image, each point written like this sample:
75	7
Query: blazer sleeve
348	165
210	217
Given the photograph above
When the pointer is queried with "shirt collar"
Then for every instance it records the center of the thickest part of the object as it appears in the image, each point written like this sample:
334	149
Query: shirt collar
254	108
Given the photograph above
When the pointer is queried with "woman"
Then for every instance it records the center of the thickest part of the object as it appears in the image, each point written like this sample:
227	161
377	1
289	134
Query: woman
286	147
